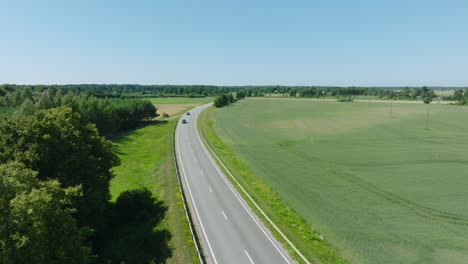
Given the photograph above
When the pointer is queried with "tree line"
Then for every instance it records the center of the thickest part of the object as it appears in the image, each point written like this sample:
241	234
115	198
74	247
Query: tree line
227	98
126	90
460	95
55	172
141	91
110	115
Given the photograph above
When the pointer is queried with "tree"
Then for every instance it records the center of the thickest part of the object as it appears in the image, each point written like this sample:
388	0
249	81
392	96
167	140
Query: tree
458	95
36	223
231	98
428	96
221	100
240	94
57	145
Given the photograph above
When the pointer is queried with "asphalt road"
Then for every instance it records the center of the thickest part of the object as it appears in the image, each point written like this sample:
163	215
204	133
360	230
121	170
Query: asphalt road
229	231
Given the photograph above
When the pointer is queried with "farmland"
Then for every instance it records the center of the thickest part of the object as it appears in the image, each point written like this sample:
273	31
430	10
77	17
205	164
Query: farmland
175	105
378	182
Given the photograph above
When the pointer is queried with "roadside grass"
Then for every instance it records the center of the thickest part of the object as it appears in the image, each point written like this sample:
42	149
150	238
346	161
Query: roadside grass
379	187
147	160
306	239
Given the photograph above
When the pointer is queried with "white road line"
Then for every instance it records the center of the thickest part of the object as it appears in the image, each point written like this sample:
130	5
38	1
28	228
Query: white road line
210	189
224	215
247	253
240	200
193	200
202	172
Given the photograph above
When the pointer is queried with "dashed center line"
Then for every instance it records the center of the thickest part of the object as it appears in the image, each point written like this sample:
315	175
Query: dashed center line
224	215
210	189
247	253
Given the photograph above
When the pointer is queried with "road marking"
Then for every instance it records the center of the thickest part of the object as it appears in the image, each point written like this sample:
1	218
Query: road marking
202	172
245	207
210	189
224	214
193	200
247	253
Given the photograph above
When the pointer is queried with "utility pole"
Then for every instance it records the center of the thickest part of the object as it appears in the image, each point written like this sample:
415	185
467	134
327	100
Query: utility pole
391	108
427	118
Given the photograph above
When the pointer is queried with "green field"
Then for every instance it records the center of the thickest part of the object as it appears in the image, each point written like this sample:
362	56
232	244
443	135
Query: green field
379	189
147	160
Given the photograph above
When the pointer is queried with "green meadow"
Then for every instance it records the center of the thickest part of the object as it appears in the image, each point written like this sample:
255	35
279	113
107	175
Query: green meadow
376	181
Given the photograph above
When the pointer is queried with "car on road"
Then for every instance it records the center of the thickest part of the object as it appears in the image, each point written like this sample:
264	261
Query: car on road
184	121
188	113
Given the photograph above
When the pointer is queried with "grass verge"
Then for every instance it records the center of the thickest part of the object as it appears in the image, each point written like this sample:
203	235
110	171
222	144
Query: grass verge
307	240
147	160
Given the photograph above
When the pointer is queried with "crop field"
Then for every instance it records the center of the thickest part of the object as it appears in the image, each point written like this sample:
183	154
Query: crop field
376	180
175	105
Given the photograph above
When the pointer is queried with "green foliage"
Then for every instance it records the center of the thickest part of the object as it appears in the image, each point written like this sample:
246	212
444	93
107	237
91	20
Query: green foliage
58	146
110	115
361	179
240	94
36	222
345	99
165	115
223	100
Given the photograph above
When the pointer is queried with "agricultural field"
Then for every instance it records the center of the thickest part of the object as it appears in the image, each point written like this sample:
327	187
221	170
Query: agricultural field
175	105
380	183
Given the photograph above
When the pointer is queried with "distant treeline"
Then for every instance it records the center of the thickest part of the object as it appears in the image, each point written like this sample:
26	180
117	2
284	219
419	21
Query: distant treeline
110	115
460	95
227	98
141	91
127	90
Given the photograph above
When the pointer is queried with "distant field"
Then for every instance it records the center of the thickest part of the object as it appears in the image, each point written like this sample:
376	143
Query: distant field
176	105
379	189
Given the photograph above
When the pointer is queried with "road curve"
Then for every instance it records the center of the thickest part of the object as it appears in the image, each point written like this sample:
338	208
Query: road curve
228	229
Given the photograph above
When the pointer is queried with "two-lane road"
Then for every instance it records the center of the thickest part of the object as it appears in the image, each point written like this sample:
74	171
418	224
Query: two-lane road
229	231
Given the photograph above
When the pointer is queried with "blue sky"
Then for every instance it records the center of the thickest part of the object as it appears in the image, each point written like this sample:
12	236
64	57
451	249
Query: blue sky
345	43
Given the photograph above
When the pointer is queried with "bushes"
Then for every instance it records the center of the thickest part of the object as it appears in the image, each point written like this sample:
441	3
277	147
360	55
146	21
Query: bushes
345	99
225	99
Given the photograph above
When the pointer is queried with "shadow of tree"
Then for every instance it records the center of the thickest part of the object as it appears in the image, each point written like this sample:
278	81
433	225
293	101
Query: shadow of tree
131	236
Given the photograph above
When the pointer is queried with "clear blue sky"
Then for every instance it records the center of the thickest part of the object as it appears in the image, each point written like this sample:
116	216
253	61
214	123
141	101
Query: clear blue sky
237	42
